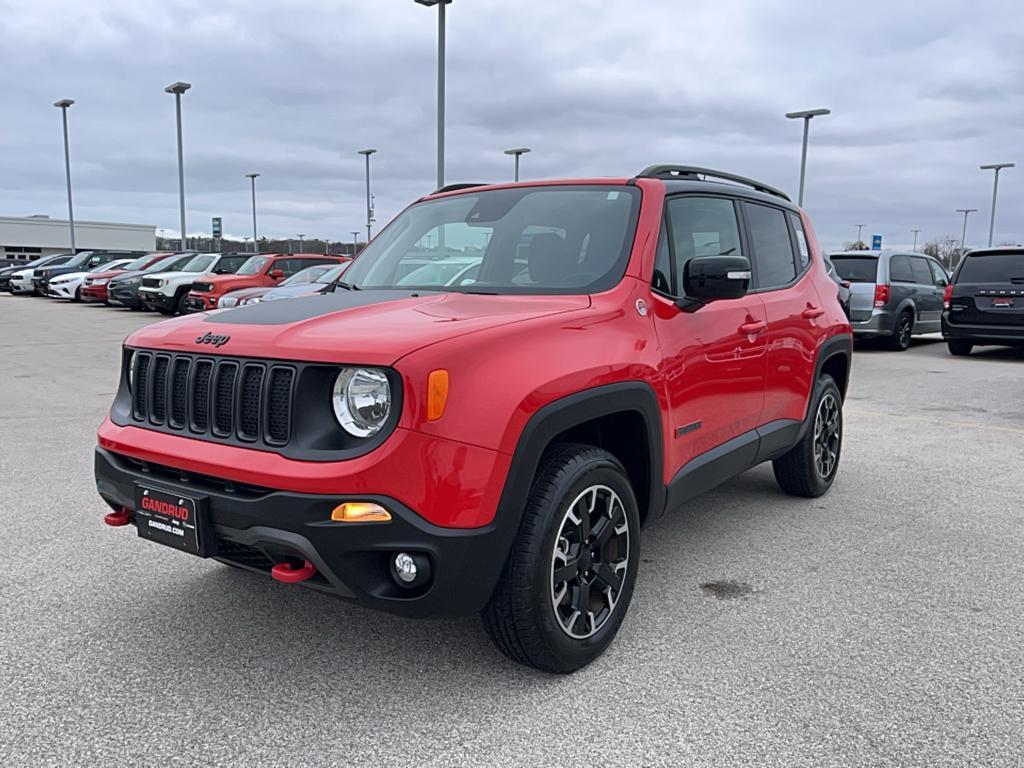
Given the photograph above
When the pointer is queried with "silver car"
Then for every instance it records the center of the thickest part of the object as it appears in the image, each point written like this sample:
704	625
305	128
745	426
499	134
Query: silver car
894	294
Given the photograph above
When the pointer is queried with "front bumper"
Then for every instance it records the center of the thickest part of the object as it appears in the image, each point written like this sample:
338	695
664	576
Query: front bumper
257	527
200	303
40	286
881	323
154	299
61	291
125	296
94	293
22	286
1010	335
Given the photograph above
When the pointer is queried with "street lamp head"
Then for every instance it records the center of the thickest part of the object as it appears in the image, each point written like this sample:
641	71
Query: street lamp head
517	151
808	113
251	175
432	3
64	103
996	166
177	88
367	152
966	210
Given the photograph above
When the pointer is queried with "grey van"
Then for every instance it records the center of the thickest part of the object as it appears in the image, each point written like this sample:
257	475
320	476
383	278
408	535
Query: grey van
894	294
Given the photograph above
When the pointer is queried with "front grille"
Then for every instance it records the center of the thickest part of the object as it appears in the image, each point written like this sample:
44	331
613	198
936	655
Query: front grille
151	282
243	554
219	398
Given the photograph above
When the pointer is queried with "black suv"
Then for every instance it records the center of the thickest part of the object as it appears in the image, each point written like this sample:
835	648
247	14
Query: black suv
985	302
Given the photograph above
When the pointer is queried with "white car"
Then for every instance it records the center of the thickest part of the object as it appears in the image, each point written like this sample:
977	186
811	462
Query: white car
167	291
21	281
69	286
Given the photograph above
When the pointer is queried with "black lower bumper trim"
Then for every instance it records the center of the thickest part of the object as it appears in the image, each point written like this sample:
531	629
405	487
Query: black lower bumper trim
255	528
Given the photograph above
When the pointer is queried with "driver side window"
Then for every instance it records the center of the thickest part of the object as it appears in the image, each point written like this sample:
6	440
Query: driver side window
694	226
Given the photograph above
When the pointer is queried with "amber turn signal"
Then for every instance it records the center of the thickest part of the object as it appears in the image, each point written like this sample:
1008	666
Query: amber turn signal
360	512
437	394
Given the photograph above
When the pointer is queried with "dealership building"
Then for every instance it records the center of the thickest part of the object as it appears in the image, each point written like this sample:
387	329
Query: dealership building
25	238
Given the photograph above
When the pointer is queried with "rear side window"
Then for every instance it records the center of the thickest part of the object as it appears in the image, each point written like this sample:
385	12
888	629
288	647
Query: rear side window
922	275
856	269
700	226
803	252
992	268
938	274
772	245
899	270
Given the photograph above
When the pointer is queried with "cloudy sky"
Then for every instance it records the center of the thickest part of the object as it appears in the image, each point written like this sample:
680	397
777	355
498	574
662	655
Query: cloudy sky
292	89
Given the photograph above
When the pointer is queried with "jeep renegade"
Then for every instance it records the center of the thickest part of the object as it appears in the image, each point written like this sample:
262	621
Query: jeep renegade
493	445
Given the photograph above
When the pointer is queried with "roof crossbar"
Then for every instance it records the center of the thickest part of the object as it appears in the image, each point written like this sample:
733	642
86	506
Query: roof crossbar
695	173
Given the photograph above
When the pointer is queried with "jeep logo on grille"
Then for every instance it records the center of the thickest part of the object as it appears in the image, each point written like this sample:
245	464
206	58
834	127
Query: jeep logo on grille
214	339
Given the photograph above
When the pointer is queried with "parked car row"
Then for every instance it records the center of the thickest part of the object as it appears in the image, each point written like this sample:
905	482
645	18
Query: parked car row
172	283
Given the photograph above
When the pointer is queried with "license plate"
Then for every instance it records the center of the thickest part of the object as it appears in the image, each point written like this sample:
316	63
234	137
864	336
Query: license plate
1002	303
168	518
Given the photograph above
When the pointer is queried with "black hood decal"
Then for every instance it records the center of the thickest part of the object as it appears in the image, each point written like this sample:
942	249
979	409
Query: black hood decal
301	308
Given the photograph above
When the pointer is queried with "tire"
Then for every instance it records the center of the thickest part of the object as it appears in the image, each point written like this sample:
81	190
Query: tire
530	616
901	333
179	303
959	348
805	470
78	295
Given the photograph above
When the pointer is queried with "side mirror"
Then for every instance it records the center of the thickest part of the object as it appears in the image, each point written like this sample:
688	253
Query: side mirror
712	278
275	274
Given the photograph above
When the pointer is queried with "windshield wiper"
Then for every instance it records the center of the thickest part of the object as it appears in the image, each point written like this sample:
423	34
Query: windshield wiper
332	287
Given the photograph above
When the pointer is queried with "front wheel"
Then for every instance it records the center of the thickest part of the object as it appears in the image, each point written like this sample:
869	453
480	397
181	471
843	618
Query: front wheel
809	468
569	578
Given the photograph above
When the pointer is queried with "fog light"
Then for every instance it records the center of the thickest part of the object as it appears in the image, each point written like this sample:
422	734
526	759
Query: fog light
405	567
360	512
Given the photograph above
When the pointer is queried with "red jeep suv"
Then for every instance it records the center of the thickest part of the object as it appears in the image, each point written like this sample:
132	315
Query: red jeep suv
493	443
260	271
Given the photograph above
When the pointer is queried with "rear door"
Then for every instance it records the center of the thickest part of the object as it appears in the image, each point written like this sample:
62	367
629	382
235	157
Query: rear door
988	289
927	296
861	272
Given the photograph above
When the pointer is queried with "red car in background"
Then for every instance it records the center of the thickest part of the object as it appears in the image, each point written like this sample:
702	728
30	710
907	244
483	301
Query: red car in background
94	289
263	270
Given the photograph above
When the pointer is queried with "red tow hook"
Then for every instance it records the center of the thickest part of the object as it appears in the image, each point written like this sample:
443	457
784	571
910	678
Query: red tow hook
288	573
119	518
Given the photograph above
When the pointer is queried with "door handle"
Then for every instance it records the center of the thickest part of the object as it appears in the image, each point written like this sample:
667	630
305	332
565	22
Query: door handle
812	312
752	329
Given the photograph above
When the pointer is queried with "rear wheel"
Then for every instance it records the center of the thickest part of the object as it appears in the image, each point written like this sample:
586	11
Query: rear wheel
900	339
569	577
958	347
809	468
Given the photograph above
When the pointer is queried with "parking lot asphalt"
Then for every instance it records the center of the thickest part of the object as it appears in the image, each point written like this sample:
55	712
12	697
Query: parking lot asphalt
879	625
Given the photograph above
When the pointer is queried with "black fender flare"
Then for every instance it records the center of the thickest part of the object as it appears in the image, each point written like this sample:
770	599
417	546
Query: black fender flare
571	411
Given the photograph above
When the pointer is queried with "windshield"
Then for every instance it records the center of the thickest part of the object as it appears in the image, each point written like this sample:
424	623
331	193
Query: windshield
139	263
307	275
253	266
79	258
856	269
169	263
541	240
992	268
199	263
332	274
108	265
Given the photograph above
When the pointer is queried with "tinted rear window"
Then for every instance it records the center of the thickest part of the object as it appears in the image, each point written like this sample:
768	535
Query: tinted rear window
856	269
992	268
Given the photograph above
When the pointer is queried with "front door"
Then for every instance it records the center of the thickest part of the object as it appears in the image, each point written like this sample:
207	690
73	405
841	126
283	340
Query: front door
713	360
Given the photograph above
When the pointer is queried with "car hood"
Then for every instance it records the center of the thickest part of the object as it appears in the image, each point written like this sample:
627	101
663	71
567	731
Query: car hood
108	274
247	293
291	291
372	327
69	276
222	283
178	275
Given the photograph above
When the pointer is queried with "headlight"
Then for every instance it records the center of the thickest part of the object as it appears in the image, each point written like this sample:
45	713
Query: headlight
98	281
130	281
226	301
361	400
253	300
162	283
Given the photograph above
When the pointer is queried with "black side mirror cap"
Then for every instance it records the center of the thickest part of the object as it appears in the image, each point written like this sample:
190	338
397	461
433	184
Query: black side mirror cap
712	278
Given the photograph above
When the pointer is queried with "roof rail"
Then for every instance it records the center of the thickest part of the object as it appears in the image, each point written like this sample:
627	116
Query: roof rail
454	187
695	172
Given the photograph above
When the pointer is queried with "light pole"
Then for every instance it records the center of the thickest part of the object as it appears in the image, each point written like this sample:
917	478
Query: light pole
252	178
440	84
517	153
63	105
995	190
177	89
300	243
860	228
355	242
963	237
806	116
915	231
369	200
